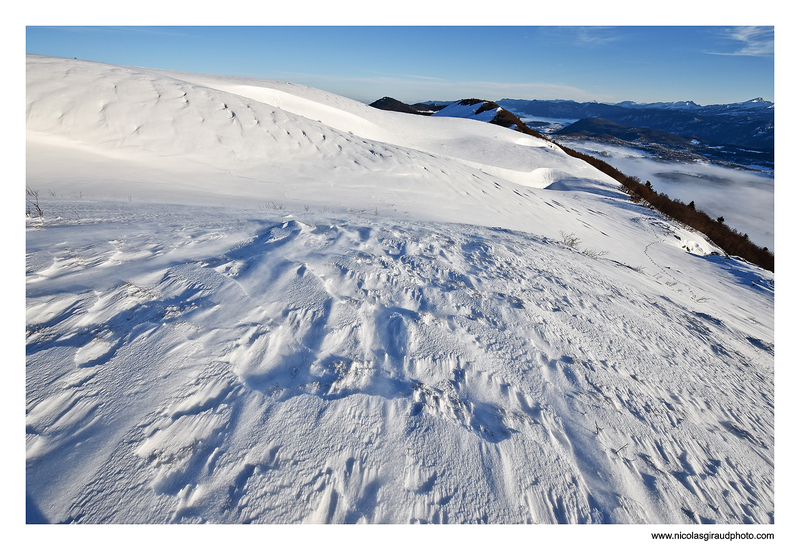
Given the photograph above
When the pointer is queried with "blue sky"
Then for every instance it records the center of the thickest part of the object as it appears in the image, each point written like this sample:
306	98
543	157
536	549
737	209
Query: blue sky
609	64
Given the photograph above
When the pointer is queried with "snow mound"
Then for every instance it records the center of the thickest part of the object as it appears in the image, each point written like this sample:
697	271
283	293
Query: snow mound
189	137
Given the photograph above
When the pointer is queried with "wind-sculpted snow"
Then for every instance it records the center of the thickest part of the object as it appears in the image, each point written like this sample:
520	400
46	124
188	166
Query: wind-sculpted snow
313	369
245	312
255	136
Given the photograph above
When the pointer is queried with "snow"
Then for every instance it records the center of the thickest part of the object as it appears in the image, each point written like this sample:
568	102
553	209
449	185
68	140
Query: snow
251	301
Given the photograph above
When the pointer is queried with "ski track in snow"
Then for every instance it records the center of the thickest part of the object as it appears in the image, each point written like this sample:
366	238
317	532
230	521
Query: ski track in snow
401	336
351	370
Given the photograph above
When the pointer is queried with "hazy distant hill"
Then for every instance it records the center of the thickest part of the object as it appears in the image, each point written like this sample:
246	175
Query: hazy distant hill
391	104
664	144
602	128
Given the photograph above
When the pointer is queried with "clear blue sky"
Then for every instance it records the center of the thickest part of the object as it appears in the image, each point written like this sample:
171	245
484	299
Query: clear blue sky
608	64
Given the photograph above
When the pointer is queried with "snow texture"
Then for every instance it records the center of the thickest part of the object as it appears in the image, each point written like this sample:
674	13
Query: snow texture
256	302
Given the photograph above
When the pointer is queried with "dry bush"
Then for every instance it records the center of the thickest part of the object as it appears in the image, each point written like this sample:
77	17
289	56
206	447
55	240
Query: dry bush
569	239
32	202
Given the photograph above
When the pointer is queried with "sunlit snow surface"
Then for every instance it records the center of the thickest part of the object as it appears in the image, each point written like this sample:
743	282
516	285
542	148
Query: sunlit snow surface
270	317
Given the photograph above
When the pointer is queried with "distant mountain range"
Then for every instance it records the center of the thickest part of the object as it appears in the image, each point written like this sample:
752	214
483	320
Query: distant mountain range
746	124
746	107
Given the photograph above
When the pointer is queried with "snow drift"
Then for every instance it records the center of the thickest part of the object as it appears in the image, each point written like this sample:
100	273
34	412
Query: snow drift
252	301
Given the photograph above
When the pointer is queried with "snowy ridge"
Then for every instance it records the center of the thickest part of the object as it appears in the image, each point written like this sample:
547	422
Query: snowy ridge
319	312
462	110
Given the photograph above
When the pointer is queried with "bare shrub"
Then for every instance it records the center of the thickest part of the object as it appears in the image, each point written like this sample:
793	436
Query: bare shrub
32	202
594	254
569	239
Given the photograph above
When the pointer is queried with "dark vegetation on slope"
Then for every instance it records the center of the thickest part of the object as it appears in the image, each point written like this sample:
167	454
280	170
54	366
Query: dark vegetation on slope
727	238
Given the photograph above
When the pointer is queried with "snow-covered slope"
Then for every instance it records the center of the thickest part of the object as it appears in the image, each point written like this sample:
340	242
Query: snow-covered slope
468	109
252	301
